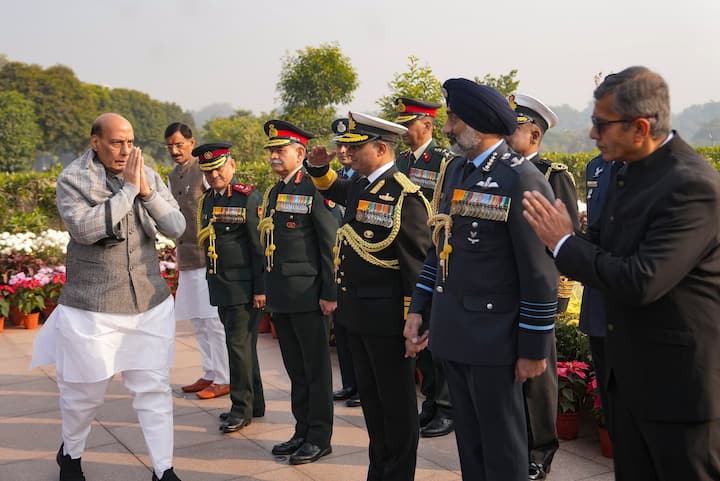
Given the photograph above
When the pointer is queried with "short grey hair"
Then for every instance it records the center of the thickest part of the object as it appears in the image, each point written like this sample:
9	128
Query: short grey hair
639	92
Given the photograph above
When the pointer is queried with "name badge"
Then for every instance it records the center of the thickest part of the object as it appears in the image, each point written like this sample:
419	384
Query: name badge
229	215
375	213
480	205
423	178
295	204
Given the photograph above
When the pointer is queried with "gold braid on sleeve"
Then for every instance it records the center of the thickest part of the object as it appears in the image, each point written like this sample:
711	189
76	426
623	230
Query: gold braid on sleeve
439	222
207	232
267	229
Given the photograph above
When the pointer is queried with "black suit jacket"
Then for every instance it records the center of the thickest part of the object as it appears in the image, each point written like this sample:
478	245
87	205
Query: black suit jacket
372	298
656	256
499	299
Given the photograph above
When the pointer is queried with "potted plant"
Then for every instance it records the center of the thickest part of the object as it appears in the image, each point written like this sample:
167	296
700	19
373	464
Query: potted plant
572	389
52	290
599	414
27	301
5	293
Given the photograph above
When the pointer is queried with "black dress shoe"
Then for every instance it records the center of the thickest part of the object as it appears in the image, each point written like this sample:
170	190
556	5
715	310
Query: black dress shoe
168	475
427	412
70	469
439	426
224	416
536	471
309	453
343	394
353	402
232	424
288	447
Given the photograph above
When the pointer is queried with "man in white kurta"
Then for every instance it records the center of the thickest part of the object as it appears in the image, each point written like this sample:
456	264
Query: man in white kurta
115	312
192	299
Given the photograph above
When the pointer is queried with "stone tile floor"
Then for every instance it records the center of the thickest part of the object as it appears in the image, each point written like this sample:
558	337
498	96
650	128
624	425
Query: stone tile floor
30	430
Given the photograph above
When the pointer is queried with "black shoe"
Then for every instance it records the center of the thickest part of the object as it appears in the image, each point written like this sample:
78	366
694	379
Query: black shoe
309	453
427	413
288	447
536	471
353	402
343	394
70	469
439	426
224	416
168	475
232	424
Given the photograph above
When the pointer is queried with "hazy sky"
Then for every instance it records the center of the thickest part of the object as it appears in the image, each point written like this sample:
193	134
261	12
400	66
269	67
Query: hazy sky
195	53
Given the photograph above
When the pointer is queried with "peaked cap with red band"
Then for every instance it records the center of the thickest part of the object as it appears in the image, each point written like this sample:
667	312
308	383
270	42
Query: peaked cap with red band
213	155
410	109
281	133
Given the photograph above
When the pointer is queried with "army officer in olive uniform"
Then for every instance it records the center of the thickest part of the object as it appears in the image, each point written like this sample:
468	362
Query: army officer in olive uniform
228	220
422	163
491	286
380	250
298	232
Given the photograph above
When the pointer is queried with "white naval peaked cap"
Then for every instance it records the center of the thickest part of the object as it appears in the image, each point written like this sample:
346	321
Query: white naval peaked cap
538	112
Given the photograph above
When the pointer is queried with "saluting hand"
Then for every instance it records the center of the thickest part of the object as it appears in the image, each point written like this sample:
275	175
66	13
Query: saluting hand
319	156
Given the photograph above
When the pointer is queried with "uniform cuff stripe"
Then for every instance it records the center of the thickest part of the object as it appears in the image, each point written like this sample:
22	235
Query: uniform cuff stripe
532	327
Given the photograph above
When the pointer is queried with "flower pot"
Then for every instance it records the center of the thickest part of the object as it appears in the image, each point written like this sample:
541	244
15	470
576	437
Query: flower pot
606	448
16	316
31	321
567	425
2	323
264	324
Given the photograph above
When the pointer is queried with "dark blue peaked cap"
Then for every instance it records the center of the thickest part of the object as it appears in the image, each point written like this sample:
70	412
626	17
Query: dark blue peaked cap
481	107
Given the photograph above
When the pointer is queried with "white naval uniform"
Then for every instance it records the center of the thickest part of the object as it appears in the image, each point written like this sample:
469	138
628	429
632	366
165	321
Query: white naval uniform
88	348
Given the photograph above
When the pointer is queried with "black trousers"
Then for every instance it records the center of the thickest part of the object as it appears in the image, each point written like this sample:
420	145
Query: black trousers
434	385
490	428
258	405
304	345
345	360
541	403
389	403
662	451
597	349
238	338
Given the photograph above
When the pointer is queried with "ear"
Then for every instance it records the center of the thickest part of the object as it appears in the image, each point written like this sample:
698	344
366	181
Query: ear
535	135
381	148
642	128
94	142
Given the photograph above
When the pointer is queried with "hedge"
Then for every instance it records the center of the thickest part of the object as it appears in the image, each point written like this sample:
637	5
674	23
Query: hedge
29	197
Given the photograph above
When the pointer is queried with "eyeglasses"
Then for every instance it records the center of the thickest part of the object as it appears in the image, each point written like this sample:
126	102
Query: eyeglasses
178	146
600	124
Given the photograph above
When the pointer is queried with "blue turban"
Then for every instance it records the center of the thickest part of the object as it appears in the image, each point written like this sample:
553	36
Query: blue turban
481	107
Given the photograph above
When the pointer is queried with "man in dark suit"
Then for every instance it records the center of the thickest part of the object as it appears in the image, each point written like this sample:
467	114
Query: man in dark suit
655	254
379	253
422	163
534	118
348	392
489	284
228	213
298	231
593	319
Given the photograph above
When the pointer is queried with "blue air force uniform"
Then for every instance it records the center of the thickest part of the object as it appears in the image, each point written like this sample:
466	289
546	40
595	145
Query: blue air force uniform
491	288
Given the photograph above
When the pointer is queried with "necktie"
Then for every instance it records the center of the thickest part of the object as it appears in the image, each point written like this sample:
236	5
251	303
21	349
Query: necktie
468	169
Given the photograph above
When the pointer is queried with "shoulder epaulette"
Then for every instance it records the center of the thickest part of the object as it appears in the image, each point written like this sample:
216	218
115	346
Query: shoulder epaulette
441	150
405	153
243	188
558	166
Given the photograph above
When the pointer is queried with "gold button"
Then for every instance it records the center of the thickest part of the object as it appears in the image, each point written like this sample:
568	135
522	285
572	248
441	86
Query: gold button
611	327
343	288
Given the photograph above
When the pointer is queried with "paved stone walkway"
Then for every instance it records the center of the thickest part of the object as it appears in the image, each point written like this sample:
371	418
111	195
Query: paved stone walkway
30	430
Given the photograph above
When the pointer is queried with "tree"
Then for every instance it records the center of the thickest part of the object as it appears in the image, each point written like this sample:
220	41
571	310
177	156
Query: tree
419	83
505	84
312	83
19	132
244	130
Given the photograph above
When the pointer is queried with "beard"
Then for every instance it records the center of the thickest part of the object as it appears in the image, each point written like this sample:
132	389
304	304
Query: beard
465	143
